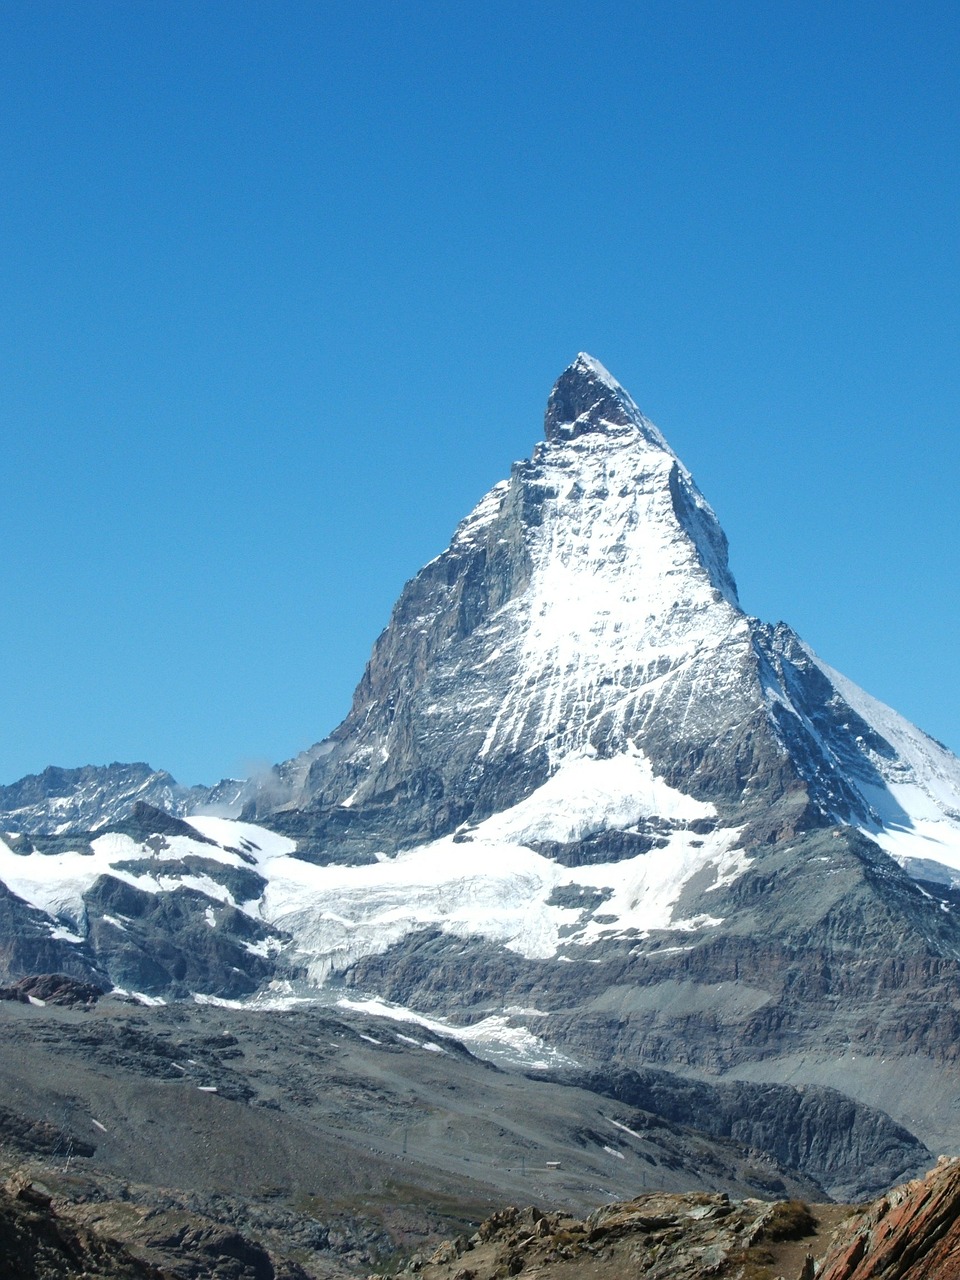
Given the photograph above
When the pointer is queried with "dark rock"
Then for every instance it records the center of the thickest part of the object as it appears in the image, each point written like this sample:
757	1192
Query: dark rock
38	1244
850	1149
145	820
53	988
166	944
41	1137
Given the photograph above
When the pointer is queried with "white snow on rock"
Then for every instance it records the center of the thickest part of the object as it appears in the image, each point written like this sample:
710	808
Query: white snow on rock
917	807
485	882
587	795
499	1037
488	883
620	595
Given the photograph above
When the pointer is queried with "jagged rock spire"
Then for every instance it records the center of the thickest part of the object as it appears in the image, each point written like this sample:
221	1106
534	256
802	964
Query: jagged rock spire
587	397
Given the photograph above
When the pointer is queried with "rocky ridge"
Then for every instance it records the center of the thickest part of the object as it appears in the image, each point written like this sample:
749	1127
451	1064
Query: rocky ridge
582	803
911	1233
58	801
657	1236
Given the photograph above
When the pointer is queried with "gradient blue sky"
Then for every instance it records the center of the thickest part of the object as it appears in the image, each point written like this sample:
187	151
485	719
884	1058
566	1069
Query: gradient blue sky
285	287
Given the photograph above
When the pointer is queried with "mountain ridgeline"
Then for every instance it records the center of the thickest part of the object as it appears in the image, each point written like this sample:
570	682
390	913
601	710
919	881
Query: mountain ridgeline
585	814
586	604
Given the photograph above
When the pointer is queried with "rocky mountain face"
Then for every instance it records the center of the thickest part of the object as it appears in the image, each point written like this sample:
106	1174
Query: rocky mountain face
87	799
585	814
586	606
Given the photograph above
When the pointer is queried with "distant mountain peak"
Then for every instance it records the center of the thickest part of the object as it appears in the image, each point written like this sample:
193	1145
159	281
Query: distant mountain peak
588	398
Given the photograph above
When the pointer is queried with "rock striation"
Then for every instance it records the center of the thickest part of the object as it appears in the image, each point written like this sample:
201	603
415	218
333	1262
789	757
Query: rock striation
912	1233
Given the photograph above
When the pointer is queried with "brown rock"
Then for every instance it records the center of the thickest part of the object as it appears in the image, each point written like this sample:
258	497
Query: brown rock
911	1233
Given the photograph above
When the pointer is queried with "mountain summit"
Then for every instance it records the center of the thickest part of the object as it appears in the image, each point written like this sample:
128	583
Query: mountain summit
586	606
587	397
581	799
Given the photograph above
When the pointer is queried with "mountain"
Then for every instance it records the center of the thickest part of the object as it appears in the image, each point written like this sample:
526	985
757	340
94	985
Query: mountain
584	812
585	611
60	800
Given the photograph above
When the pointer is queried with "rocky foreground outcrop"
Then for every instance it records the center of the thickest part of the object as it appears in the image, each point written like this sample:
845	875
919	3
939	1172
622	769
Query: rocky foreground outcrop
656	1236
911	1233
36	1243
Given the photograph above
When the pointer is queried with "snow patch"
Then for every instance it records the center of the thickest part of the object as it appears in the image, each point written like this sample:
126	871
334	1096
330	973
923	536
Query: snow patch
494	1037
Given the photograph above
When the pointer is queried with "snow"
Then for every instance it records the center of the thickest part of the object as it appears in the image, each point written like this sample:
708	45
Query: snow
256	842
587	795
56	883
64	935
490	884
265	948
620	595
495	1037
599	371
486	883
917	806
617	1125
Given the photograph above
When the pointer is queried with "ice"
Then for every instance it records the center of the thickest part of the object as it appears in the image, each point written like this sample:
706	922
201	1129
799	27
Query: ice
495	1037
617	1125
489	883
486	883
256	842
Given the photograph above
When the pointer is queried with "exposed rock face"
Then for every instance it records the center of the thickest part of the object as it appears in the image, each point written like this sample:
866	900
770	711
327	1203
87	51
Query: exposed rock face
38	1244
88	798
912	1233
53	988
31	943
852	1151
578	606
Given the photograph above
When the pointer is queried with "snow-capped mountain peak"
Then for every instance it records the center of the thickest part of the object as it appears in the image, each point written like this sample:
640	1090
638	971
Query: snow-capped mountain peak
587	397
568	707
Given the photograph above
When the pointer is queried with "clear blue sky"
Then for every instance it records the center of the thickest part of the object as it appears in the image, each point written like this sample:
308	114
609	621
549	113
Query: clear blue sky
285	287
